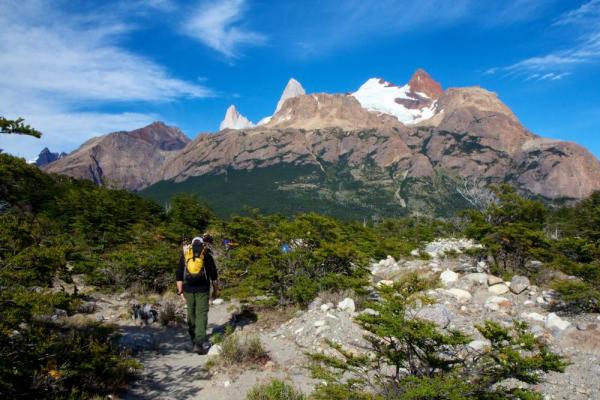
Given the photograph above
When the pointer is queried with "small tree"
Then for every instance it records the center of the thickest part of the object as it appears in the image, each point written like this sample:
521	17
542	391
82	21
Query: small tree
511	229
188	215
411	358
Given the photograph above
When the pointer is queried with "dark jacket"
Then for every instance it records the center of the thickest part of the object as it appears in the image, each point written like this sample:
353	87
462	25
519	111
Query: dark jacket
201	284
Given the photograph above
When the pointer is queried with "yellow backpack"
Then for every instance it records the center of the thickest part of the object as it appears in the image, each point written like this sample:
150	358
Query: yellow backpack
193	267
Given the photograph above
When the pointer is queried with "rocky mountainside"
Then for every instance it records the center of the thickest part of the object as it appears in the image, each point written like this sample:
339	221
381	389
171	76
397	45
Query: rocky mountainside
383	150
130	160
353	153
46	157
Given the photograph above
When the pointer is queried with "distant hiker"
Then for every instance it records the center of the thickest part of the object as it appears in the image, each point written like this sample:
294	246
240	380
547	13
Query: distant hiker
195	273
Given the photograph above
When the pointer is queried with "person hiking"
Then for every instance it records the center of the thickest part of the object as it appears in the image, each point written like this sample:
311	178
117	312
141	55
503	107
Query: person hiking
195	273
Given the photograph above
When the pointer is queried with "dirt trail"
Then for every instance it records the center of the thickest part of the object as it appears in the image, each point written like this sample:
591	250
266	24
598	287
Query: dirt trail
173	372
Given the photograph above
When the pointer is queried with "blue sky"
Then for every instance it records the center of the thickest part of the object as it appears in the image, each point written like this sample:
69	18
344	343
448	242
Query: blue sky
76	69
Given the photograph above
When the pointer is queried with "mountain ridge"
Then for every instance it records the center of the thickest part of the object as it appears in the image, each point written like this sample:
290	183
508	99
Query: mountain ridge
456	135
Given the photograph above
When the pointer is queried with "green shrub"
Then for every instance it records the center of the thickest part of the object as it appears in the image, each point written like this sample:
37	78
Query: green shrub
412	359
274	390
577	295
50	360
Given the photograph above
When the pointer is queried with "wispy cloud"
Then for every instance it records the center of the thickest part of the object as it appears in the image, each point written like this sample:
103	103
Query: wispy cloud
587	12
54	64
583	25
220	26
321	26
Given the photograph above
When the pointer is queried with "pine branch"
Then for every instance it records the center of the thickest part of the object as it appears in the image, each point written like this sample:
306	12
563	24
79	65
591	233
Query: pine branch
17	127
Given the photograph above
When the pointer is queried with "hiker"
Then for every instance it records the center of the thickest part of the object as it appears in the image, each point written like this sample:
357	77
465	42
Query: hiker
195	273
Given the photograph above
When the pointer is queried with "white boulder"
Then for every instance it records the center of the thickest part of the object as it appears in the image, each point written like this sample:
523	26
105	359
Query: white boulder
476	277
346	305
459	294
214	350
494	280
554	322
519	284
534	316
498	289
497	303
447	277
480	345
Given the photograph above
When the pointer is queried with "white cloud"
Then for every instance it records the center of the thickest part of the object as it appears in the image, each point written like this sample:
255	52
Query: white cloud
586	12
583	26
321	26
218	24
54	65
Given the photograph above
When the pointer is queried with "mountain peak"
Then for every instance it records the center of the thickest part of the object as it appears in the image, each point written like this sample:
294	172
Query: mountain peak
292	89
234	120
422	83
46	157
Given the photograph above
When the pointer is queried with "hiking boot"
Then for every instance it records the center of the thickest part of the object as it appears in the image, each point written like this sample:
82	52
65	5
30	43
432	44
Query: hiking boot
198	349
206	347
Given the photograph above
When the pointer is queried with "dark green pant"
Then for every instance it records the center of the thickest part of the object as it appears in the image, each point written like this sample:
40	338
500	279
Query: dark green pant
197	316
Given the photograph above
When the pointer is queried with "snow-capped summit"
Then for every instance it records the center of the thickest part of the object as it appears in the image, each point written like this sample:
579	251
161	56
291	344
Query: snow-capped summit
234	120
292	89
411	103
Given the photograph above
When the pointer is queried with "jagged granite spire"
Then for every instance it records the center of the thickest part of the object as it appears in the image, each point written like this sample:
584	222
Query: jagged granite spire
292	89
234	120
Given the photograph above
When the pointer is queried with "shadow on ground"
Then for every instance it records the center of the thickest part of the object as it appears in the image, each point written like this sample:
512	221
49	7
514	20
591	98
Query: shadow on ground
171	370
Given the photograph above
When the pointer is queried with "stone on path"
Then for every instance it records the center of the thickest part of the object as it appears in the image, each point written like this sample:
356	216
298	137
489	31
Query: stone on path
216	302
497	303
498	289
519	284
476	277
480	345
214	350
447	277
347	305
439	314
459	294
494	280
554	322
534	316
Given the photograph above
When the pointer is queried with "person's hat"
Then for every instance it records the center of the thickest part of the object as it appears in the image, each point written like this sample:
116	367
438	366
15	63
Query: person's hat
197	238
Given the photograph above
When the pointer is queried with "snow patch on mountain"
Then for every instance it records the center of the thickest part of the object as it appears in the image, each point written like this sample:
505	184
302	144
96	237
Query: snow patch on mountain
234	120
381	96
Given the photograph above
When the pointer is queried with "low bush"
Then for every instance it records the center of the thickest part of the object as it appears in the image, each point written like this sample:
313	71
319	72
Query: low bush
52	360
240	351
274	390
412	359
